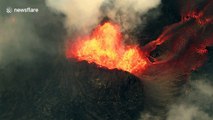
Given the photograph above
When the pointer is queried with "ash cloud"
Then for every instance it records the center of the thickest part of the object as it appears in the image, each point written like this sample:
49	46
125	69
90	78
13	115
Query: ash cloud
85	14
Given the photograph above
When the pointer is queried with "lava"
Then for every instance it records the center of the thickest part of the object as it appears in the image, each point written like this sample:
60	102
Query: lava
106	49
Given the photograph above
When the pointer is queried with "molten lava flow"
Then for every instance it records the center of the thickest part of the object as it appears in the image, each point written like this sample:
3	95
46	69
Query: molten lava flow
106	49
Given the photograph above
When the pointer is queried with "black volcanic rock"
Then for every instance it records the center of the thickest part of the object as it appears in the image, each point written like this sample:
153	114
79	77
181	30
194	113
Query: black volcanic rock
65	90
99	93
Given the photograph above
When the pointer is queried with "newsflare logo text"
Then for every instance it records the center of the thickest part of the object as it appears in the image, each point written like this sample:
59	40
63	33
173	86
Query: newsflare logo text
21	10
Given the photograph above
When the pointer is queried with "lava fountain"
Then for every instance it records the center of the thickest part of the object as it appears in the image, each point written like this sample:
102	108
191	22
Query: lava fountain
106	49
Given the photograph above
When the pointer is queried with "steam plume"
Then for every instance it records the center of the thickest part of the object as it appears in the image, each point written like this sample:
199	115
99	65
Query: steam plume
84	14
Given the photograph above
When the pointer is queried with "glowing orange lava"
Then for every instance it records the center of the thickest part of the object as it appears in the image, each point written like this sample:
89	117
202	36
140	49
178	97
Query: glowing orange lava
105	48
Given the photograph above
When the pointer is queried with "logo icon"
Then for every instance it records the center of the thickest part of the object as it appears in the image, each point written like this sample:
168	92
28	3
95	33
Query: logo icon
9	10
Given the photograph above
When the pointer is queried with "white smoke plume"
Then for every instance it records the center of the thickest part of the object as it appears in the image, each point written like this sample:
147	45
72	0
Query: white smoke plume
85	14
187	112
80	13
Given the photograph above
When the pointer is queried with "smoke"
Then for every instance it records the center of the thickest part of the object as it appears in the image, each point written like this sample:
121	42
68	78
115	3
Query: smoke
18	40
85	14
129	14
80	13
27	41
187	113
24	35
197	105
